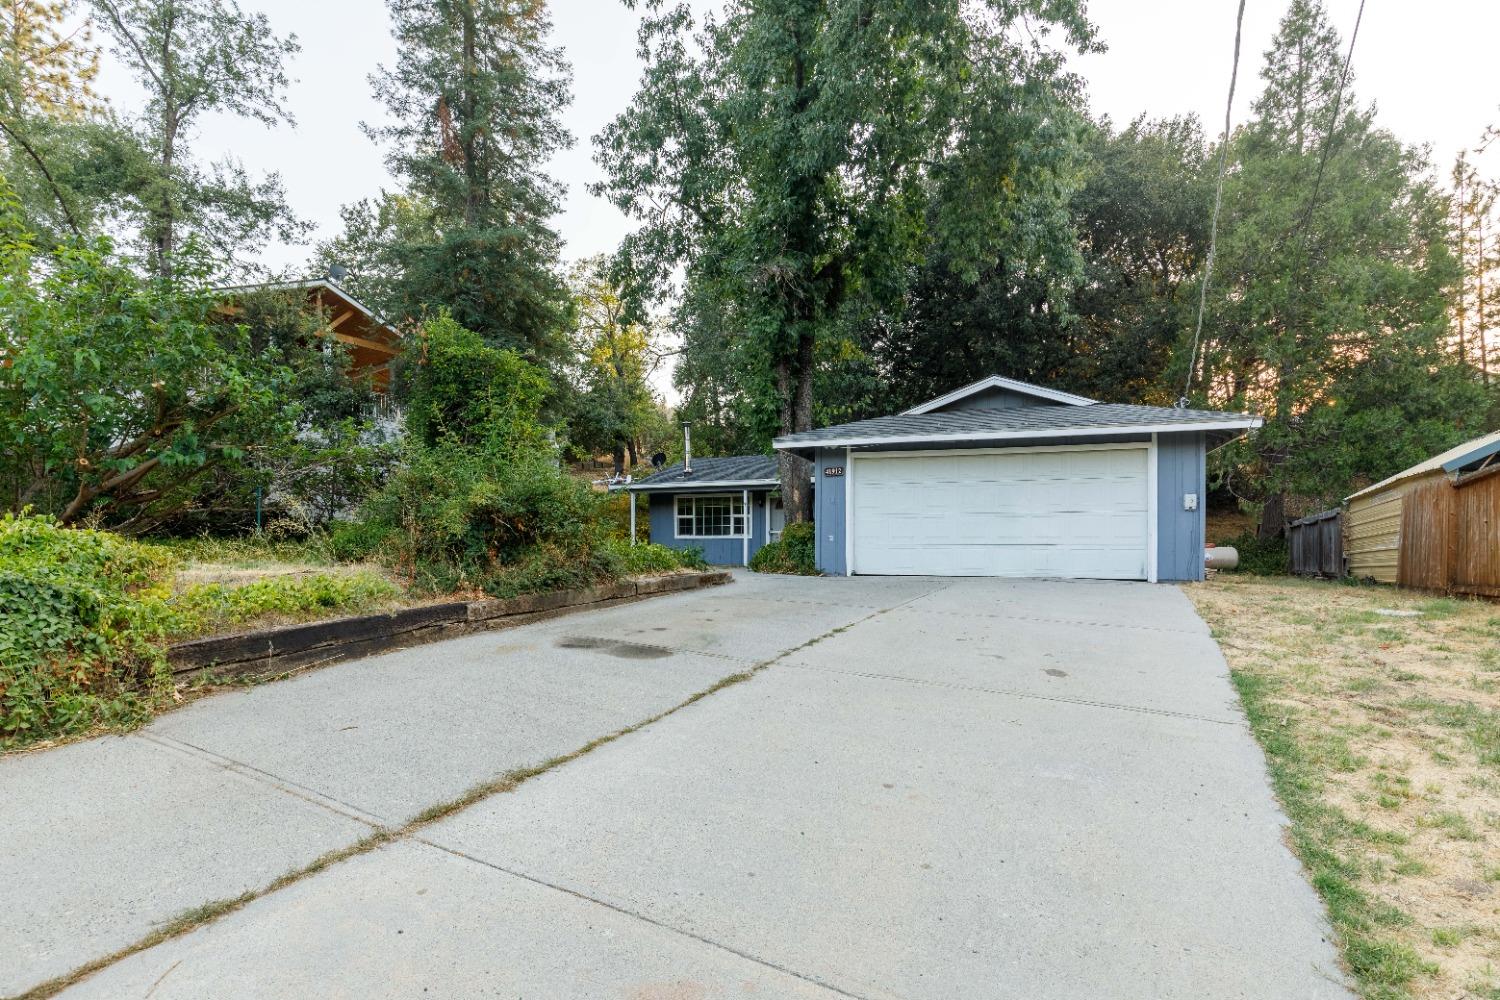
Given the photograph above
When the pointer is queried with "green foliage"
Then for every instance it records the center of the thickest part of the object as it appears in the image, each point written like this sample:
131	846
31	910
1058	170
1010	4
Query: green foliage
801	159
794	553
207	609
117	392
78	646
613	408
639	560
194	58
1329	308
86	616
464	393
454	517
472	117
1260	556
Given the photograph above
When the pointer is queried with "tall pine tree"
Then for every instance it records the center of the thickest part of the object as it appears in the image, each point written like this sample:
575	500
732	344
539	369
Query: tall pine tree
1330	301
474	101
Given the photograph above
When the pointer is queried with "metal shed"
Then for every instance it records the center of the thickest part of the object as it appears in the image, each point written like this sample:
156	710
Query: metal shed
1372	527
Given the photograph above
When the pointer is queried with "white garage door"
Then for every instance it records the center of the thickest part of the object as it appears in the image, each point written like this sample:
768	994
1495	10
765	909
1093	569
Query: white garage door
1066	512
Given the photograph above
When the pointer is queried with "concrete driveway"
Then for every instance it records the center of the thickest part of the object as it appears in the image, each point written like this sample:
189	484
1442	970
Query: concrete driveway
940	789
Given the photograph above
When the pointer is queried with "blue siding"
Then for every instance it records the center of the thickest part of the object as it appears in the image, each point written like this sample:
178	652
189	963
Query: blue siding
717	551
1181	468
828	511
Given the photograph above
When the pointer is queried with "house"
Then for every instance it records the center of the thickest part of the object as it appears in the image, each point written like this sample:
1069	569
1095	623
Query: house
372	342
728	507
1005	478
998	478
1373	522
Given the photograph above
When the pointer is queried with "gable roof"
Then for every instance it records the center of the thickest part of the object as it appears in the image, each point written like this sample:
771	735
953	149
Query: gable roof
1451	460
1001	382
1030	422
739	471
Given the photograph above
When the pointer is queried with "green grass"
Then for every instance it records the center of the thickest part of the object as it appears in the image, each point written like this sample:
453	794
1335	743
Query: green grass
252	551
1324	838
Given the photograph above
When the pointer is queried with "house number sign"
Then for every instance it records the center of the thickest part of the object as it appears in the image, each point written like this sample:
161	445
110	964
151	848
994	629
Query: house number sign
834	470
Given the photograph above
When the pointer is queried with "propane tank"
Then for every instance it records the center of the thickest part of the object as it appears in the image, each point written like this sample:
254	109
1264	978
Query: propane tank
1221	557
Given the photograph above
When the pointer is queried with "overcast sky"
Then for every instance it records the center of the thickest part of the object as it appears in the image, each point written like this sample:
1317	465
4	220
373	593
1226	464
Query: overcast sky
1429	67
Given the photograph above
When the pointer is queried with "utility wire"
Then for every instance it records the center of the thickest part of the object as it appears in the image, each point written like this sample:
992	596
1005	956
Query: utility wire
1213	230
1333	123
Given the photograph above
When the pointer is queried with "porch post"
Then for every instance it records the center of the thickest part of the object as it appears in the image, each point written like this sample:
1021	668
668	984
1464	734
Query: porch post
745	541
632	515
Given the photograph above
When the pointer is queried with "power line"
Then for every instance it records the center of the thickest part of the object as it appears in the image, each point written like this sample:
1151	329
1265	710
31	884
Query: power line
1213	230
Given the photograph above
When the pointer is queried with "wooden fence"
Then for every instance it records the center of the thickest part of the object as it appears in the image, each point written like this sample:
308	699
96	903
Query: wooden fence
1316	544
1450	536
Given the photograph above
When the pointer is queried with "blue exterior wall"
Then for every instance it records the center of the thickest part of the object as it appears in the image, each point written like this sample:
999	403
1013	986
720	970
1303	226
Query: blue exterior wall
828	511
1181	468
716	551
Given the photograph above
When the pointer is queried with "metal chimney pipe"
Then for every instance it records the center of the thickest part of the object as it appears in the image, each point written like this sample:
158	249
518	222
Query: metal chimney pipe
687	446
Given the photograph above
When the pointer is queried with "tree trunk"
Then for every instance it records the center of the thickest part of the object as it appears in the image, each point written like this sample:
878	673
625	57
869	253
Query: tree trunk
1273	517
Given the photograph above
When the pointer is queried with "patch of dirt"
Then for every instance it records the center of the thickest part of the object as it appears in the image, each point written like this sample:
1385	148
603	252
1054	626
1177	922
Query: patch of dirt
1402	715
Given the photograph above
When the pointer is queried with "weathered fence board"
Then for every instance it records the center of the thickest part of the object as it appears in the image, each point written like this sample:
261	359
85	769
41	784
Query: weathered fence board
1316	544
1476	550
1450	536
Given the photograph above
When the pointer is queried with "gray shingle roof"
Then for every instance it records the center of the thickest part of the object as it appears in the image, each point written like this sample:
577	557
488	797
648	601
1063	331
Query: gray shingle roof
734	469
1100	418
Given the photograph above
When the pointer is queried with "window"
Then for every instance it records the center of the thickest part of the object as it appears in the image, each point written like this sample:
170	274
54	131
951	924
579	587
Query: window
720	515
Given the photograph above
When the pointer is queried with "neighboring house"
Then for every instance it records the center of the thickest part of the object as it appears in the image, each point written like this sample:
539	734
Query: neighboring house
999	478
728	507
373	343
1004	478
1373	523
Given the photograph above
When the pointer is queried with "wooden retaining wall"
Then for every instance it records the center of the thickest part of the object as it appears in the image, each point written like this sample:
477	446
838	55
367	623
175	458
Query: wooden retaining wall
1450	536
276	650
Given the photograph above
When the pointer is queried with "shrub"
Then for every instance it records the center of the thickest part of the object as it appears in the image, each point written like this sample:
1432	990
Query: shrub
794	553
79	646
209	608
86	616
1261	556
455	517
635	560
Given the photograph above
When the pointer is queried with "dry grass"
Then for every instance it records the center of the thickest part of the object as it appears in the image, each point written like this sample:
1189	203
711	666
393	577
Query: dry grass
1383	736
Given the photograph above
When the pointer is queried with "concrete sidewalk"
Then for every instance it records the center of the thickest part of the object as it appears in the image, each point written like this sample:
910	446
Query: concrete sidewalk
982	789
107	839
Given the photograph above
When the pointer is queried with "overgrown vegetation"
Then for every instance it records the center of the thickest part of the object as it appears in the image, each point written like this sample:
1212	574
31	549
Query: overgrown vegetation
795	552
1382	734
480	501
1260	556
86	616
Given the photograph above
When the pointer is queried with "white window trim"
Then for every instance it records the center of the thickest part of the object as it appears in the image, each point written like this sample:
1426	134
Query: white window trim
733	498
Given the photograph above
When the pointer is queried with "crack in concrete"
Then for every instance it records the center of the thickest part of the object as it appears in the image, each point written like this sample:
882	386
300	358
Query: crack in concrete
284	785
1068	621
643	918
1013	693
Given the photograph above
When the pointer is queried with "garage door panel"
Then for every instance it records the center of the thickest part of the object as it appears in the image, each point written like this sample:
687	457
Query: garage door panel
1078	512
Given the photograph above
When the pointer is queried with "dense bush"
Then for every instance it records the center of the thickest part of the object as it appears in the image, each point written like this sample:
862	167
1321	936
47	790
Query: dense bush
86	616
479	500
79	646
794	553
1260	556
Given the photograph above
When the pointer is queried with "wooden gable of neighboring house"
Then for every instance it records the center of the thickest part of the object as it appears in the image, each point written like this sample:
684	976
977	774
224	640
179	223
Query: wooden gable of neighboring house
372	342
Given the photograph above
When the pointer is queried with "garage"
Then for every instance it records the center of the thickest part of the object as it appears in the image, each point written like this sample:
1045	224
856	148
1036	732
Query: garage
1008	479
1066	512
